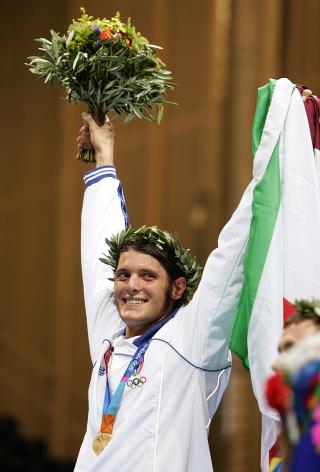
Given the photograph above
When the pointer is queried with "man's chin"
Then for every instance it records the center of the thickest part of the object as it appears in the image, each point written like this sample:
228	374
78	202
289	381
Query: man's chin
133	314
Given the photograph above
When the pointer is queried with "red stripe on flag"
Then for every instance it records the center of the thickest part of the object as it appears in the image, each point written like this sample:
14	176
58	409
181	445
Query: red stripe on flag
275	450
312	106
288	309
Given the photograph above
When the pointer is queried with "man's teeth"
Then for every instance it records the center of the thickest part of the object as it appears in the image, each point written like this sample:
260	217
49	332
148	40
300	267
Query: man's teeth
134	302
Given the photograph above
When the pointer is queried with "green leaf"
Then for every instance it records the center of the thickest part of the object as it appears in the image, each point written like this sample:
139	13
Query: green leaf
154	46
135	111
76	60
128	118
48	78
160	114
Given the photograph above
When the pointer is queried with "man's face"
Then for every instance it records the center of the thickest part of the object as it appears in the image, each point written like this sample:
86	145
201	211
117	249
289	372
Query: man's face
142	291
293	334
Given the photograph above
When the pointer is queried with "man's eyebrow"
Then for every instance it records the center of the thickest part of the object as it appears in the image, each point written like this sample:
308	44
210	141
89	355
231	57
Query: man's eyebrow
147	272
122	270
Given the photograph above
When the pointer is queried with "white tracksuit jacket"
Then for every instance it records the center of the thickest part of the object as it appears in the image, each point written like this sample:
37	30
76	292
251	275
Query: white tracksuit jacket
163	426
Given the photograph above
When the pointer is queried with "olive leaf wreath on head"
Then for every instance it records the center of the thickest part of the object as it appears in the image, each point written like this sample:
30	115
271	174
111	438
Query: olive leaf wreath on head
161	239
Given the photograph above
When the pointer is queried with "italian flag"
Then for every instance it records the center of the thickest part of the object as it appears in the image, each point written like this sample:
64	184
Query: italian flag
281	262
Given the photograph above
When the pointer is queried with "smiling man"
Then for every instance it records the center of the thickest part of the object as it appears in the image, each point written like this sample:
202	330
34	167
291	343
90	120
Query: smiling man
158	340
143	292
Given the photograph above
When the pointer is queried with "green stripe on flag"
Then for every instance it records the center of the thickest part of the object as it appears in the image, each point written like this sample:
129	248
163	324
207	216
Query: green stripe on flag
265	94
265	207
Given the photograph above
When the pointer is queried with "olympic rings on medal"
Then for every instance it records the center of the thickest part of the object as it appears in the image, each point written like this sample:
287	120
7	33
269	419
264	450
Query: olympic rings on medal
136	382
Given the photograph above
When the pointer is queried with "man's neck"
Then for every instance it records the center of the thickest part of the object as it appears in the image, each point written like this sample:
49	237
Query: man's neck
140	330
132	331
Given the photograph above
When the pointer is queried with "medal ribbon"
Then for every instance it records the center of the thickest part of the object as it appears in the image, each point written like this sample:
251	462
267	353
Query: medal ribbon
111	406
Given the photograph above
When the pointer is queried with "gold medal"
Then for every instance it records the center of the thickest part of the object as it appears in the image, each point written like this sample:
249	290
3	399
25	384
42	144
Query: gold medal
100	442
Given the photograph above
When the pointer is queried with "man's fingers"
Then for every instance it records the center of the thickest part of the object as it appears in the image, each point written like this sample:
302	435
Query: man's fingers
83	138
93	136
109	126
89	121
84	144
87	146
306	94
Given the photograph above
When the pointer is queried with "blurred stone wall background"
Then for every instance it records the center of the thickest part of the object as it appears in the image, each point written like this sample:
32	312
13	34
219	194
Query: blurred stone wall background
186	174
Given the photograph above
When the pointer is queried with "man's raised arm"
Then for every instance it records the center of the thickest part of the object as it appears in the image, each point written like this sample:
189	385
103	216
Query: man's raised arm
103	214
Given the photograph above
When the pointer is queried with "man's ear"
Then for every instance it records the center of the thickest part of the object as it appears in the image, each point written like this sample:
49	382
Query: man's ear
178	288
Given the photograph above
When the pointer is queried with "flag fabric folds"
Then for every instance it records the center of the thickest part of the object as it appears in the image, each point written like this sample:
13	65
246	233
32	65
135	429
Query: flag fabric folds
282	256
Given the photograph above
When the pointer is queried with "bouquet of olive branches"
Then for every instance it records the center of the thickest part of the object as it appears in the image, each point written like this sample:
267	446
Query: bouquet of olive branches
109	66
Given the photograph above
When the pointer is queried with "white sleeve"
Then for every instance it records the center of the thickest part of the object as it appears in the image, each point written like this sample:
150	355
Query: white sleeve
103	214
204	325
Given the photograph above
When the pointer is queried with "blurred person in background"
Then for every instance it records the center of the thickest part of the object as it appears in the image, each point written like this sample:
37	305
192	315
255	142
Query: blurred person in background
303	322
294	391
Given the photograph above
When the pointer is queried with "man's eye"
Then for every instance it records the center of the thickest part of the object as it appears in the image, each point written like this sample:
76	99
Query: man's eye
122	276
288	345
148	276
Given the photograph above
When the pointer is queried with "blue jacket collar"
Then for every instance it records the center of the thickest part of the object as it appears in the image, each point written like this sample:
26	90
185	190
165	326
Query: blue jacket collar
152	331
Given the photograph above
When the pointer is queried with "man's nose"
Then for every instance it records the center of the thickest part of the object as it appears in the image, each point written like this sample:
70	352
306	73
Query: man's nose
134	284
